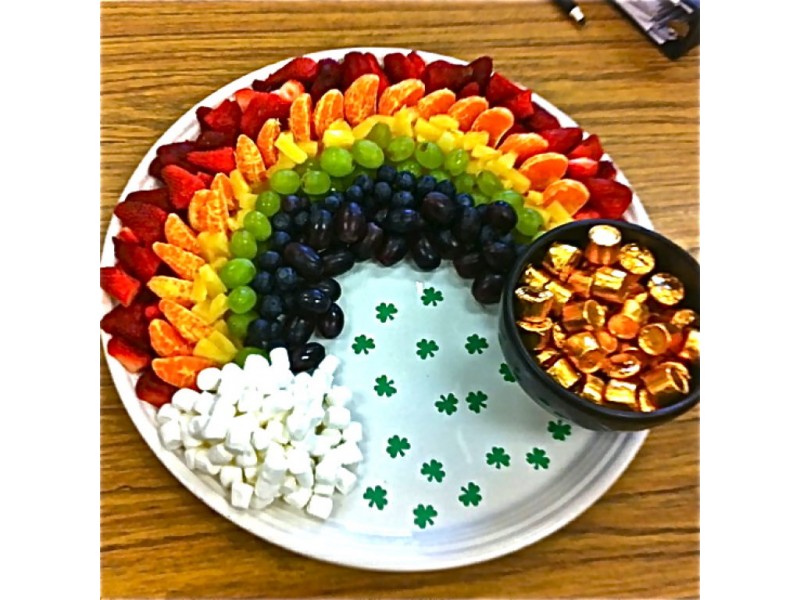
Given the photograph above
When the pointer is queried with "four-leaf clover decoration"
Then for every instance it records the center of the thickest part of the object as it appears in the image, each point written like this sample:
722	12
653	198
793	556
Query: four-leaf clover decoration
498	458
537	458
376	496
433	470
385	386
476	343
447	404
426	348
471	495
476	401
423	515
385	312
505	371
397	446
431	296
559	430
363	344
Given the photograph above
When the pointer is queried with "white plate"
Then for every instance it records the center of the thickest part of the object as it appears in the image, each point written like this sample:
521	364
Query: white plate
548	480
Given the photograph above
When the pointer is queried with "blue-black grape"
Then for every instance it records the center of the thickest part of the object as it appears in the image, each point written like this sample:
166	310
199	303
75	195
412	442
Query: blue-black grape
337	262
304	259
331	323
350	223
438	209
306	357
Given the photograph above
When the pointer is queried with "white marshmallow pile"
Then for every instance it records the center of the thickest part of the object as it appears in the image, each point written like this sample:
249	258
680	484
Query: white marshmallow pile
266	433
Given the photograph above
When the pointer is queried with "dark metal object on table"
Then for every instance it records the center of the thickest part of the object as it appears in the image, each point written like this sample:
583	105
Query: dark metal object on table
672	25
573	11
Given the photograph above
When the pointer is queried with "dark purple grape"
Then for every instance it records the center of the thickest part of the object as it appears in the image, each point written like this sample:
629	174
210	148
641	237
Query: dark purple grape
258	332
331	323
337	262
330	287
424	254
470	265
488	287
307	357
312	301
488	235
520	249
446	244
501	217
482	208
320	229
403	220
298	330
438	209
304	259
350	223
499	256
392	251
369	244
468	226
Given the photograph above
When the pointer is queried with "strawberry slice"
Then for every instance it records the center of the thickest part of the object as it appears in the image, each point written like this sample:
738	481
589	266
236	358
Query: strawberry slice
329	76
580	168
398	67
129	323
563	139
220	160
141	261
153	390
158	197
243	97
302	69
520	105
588	148
606	170
481	71
126	235
375	68
610	198
119	285
210	140
263	106
181	184
132	358
151	312
145	220
442	74
586	213
541	120
471	89
500	89
355	65
225	118
418	63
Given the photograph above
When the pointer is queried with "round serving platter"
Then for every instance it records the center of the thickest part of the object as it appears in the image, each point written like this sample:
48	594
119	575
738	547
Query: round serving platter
460	466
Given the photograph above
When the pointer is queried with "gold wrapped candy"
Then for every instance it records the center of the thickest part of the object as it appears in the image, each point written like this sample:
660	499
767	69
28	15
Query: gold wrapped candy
584	352
564	373
577	316
533	277
603	245
621	392
622	366
562	259
561	295
610	284
533	305
646	401
593	389
666	289
654	338
581	283
535	336
547	357
691	346
636	259
666	384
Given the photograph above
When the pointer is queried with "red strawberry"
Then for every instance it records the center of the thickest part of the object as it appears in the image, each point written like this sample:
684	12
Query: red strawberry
214	161
471	89
354	66
151	311
563	139
541	120
181	184
138	260
129	323
606	170
205	178
132	358
172	154
201	113
226	117
441	74
146	220
151	389
418	63
243	97
154	170
262	107
500	89
588	148
579	168
398	67
209	140
609	198
329	75
119	285
126	235
586	213
158	197
481	71
520	105
375	67
302	69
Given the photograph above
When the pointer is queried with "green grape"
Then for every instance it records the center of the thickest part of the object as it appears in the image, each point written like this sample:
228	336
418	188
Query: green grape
381	134
238	324
285	181
400	148
456	161
243	353
464	183
243	244
480	199
242	299
236	272
529	221
258	225
439	175
368	154
336	162
268	203
316	182
312	164
511	197
411	166
489	183
429	155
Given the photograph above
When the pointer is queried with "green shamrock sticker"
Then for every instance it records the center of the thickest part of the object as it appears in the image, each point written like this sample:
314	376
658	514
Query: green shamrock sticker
431	296
476	401
476	343
471	495
447	404
397	446
385	312
433	470
498	458
363	344
505	371
385	386
376	496
423	515
561	431
426	348
537	458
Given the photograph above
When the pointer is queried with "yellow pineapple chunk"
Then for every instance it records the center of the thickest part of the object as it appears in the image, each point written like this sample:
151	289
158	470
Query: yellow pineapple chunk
288	147
474	167
444	122
203	310
338	138
222	342
311	147
485	152
447	142
241	189
218	305
558	214
474	139
519	183
534	198
205	348
426	132
199	289
217	263
403	123
546	218
212	281
213	245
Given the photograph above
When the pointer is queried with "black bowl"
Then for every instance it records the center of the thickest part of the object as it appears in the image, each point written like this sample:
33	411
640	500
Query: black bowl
544	389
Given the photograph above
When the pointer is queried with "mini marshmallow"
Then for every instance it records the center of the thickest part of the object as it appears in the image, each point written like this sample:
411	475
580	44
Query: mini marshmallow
298	424
323	489
305	479
328	365
337	417
260	439
256	367
334	434
250	401
189	457
204	403
167	412
241	493
239	433
203	464
321	445
184	399
232	382
301	380
266	489
345	480
278	402
299	498
279	358
196	426
170	433
354	432
326	470
257	503
218	423
229	475
274	467
288	486
275	431
297	461
208	379
339	395
247	459
219	455
250	474
348	453
316	415
189	441
320	507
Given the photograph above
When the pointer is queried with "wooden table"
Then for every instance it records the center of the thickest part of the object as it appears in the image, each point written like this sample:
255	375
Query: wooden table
158	59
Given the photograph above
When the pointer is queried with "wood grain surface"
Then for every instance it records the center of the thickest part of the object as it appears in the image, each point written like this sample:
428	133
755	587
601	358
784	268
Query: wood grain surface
641	540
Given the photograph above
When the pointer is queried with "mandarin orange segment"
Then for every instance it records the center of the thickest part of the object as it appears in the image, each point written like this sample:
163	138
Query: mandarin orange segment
571	194
361	98
436	103
171	288
524	145
185	264
223	186
217	215
466	110
166	340
291	90
330	108
188	324
266	141
180	234
404	93
181	371
249	161
544	169
300	118
198	210
495	121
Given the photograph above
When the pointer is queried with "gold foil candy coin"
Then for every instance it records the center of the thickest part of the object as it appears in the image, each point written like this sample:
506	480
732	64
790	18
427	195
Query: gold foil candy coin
561	259
691	346
610	284
665	383
535	336
547	357
623	327
534	278
636	259
593	389
584	352
646	401
561	295
621	392
622	366
666	289
533	305
603	244
581	283
684	318
654	338
607	342
564	373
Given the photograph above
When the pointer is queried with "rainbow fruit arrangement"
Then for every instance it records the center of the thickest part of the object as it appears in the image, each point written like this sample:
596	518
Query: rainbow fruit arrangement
323	164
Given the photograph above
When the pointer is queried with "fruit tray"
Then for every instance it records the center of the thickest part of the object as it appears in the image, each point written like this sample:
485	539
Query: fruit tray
455	465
